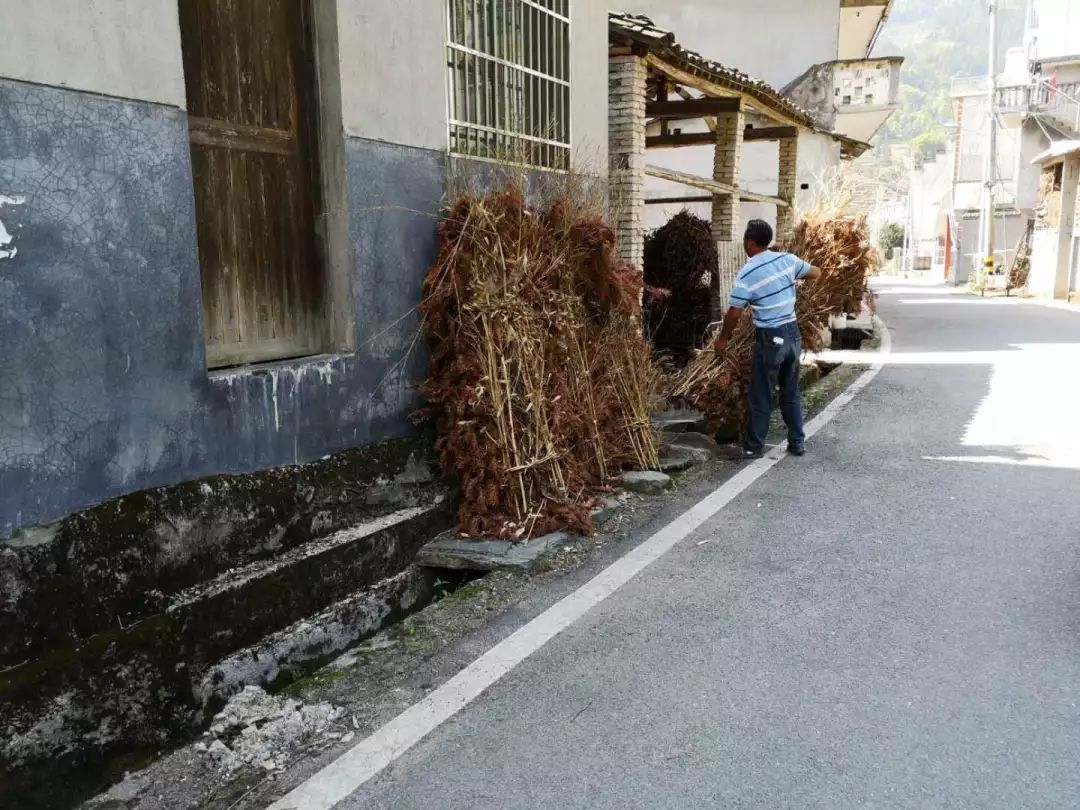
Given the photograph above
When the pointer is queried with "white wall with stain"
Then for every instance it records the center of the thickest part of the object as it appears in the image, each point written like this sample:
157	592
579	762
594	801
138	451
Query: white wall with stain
7	247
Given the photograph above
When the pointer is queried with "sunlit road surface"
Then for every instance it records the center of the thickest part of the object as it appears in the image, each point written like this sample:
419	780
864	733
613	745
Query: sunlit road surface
891	621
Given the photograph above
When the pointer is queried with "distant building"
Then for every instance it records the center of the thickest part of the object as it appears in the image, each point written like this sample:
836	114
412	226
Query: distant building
1038	109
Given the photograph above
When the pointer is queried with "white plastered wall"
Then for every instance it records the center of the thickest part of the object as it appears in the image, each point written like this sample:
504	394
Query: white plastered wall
124	48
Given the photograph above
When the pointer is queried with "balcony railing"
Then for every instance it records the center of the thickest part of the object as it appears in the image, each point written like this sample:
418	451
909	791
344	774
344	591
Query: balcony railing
1058	101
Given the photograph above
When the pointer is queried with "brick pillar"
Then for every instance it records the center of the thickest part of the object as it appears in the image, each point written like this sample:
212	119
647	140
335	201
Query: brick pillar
725	208
626	147
786	187
1070	180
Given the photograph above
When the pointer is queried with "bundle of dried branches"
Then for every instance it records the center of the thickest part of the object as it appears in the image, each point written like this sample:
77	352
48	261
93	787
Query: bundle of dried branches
680	260
841	247
539	377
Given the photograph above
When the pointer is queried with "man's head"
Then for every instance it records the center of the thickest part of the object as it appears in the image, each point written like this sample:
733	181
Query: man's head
758	237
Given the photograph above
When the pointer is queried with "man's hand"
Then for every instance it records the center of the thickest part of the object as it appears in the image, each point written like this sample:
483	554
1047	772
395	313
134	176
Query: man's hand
731	320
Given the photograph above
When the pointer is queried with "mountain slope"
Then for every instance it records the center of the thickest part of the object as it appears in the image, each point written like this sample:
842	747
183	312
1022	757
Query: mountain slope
941	40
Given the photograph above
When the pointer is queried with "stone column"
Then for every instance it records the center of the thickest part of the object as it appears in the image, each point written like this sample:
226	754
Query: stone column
1070	180
626	146
725	208
786	187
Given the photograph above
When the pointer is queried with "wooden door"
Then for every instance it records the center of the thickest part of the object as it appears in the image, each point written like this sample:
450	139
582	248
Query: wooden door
249	70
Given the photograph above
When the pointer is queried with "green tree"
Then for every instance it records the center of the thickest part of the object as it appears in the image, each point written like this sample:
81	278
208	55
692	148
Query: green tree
892	237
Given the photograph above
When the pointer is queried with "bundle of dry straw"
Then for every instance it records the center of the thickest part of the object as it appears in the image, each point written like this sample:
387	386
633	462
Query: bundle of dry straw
680	261
539	378
827	238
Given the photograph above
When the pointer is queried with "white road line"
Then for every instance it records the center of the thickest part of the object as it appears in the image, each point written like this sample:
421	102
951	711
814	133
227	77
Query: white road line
351	770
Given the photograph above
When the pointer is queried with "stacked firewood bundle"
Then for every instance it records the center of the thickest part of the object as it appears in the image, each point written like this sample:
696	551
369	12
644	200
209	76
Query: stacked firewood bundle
539	379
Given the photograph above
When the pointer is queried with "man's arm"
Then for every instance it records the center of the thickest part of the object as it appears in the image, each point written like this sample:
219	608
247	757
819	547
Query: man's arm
731	320
813	273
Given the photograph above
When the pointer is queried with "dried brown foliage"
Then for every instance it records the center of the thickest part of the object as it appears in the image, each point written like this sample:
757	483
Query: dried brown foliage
680	259
539	377
841	247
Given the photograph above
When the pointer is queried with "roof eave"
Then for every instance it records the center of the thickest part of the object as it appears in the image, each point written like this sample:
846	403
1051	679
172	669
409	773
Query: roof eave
664	51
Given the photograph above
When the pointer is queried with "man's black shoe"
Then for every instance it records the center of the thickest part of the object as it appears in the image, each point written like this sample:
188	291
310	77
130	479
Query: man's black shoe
750	455
796	450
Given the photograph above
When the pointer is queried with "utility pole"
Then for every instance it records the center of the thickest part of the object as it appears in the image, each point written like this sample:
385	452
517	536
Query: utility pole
990	171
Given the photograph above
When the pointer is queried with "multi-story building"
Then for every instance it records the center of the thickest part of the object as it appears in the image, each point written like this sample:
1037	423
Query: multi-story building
1037	111
970	145
216	220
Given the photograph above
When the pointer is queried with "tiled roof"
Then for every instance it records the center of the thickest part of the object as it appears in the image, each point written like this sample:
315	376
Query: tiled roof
641	30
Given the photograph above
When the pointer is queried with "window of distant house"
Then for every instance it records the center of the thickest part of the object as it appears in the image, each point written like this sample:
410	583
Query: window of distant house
251	94
509	80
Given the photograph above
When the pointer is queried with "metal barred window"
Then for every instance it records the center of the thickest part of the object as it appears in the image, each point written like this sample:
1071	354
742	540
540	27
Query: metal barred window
509	80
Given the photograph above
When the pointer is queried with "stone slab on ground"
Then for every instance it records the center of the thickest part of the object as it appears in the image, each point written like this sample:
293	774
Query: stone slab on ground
646	482
605	511
677	421
675	459
463	554
701	446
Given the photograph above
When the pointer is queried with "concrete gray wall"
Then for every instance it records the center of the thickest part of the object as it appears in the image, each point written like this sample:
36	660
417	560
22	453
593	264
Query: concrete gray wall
105	388
125	48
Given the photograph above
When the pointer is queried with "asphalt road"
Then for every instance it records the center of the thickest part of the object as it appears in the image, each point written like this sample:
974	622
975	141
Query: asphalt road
891	621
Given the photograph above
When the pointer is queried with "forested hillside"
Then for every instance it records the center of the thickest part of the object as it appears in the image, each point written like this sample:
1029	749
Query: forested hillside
941	39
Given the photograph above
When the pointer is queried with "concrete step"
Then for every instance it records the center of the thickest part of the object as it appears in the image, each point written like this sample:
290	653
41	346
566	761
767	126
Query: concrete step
140	685
314	639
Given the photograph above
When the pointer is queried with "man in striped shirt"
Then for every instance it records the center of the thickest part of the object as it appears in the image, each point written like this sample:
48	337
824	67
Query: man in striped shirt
767	284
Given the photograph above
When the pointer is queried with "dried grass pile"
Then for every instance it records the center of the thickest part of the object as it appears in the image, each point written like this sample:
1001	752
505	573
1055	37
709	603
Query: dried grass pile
539	378
680	260
841	246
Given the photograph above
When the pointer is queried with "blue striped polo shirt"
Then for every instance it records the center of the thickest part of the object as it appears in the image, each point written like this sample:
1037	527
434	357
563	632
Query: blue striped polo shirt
767	283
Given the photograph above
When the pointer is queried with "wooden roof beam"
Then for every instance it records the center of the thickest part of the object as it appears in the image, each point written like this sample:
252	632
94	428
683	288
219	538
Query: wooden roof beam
692	198
709	138
713	186
710	88
692	108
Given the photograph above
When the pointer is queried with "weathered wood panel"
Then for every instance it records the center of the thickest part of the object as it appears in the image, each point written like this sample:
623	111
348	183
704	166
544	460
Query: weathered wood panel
249	70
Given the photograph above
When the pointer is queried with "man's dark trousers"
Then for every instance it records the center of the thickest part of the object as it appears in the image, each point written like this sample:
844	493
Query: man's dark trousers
776	362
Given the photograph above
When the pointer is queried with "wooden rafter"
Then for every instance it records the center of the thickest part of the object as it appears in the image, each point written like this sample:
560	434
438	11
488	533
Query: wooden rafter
694	198
709	120
715	89
712	186
692	108
672	141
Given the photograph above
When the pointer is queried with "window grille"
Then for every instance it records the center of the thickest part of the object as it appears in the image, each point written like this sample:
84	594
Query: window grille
509	80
